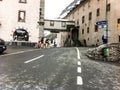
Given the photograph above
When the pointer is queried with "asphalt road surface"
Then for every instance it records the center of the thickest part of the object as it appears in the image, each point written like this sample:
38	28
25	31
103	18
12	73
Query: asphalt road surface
55	69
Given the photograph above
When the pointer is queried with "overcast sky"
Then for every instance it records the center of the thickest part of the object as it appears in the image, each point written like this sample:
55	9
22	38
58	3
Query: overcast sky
53	8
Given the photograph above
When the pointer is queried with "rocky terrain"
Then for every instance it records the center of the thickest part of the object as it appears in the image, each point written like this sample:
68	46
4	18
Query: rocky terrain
106	52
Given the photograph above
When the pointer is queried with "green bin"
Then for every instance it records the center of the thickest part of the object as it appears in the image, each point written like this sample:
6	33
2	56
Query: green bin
106	52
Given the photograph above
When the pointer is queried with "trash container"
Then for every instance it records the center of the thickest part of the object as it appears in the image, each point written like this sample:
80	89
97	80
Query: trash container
106	52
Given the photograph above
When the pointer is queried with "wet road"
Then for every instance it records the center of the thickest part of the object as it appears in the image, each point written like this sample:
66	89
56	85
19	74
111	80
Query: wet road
55	69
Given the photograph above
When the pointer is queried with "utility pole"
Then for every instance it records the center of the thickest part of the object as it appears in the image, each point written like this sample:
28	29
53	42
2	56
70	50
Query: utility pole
107	21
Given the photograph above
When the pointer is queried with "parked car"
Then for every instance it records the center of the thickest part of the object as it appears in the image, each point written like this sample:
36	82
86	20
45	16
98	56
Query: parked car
3	47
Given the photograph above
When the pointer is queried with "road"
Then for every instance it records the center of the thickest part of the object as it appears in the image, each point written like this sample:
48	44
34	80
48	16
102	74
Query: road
55	69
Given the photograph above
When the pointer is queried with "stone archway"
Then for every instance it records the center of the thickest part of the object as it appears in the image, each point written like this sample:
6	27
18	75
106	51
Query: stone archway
75	37
21	35
75	34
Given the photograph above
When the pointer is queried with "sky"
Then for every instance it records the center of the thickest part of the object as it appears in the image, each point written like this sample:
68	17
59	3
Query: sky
53	8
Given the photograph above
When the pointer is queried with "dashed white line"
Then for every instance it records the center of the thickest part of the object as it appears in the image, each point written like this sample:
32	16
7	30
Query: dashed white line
78	53
79	80
79	63
79	70
33	59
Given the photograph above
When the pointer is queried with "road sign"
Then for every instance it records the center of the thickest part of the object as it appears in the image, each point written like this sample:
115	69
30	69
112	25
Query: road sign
104	22
102	26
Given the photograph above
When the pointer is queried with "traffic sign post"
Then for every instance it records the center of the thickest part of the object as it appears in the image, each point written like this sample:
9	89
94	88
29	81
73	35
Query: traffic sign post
103	25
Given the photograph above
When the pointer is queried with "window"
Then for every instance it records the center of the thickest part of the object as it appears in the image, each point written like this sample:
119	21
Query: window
119	38
88	30
21	16
88	39
51	23
22	1
40	11
41	17
90	15
96	28
108	7
118	23
63	24
77	22
82	31
98	40
83	19
98	12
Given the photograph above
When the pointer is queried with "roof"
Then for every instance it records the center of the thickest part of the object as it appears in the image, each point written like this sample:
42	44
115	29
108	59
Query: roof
70	7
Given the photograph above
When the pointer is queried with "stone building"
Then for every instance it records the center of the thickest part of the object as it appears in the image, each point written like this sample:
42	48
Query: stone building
21	20
97	20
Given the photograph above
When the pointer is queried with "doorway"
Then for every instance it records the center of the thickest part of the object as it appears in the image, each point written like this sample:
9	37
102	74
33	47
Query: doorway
75	37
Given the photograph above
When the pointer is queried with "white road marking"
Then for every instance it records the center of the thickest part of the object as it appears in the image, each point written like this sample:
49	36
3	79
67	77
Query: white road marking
79	80
19	52
78	53
79	63
79	70
33	59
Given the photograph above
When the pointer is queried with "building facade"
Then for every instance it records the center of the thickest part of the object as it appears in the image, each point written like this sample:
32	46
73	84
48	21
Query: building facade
20	20
88	13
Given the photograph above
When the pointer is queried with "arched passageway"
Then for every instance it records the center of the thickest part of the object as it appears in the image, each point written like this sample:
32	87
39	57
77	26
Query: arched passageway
75	36
21	35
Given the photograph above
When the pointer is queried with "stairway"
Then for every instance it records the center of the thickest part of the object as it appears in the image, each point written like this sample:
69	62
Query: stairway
72	43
